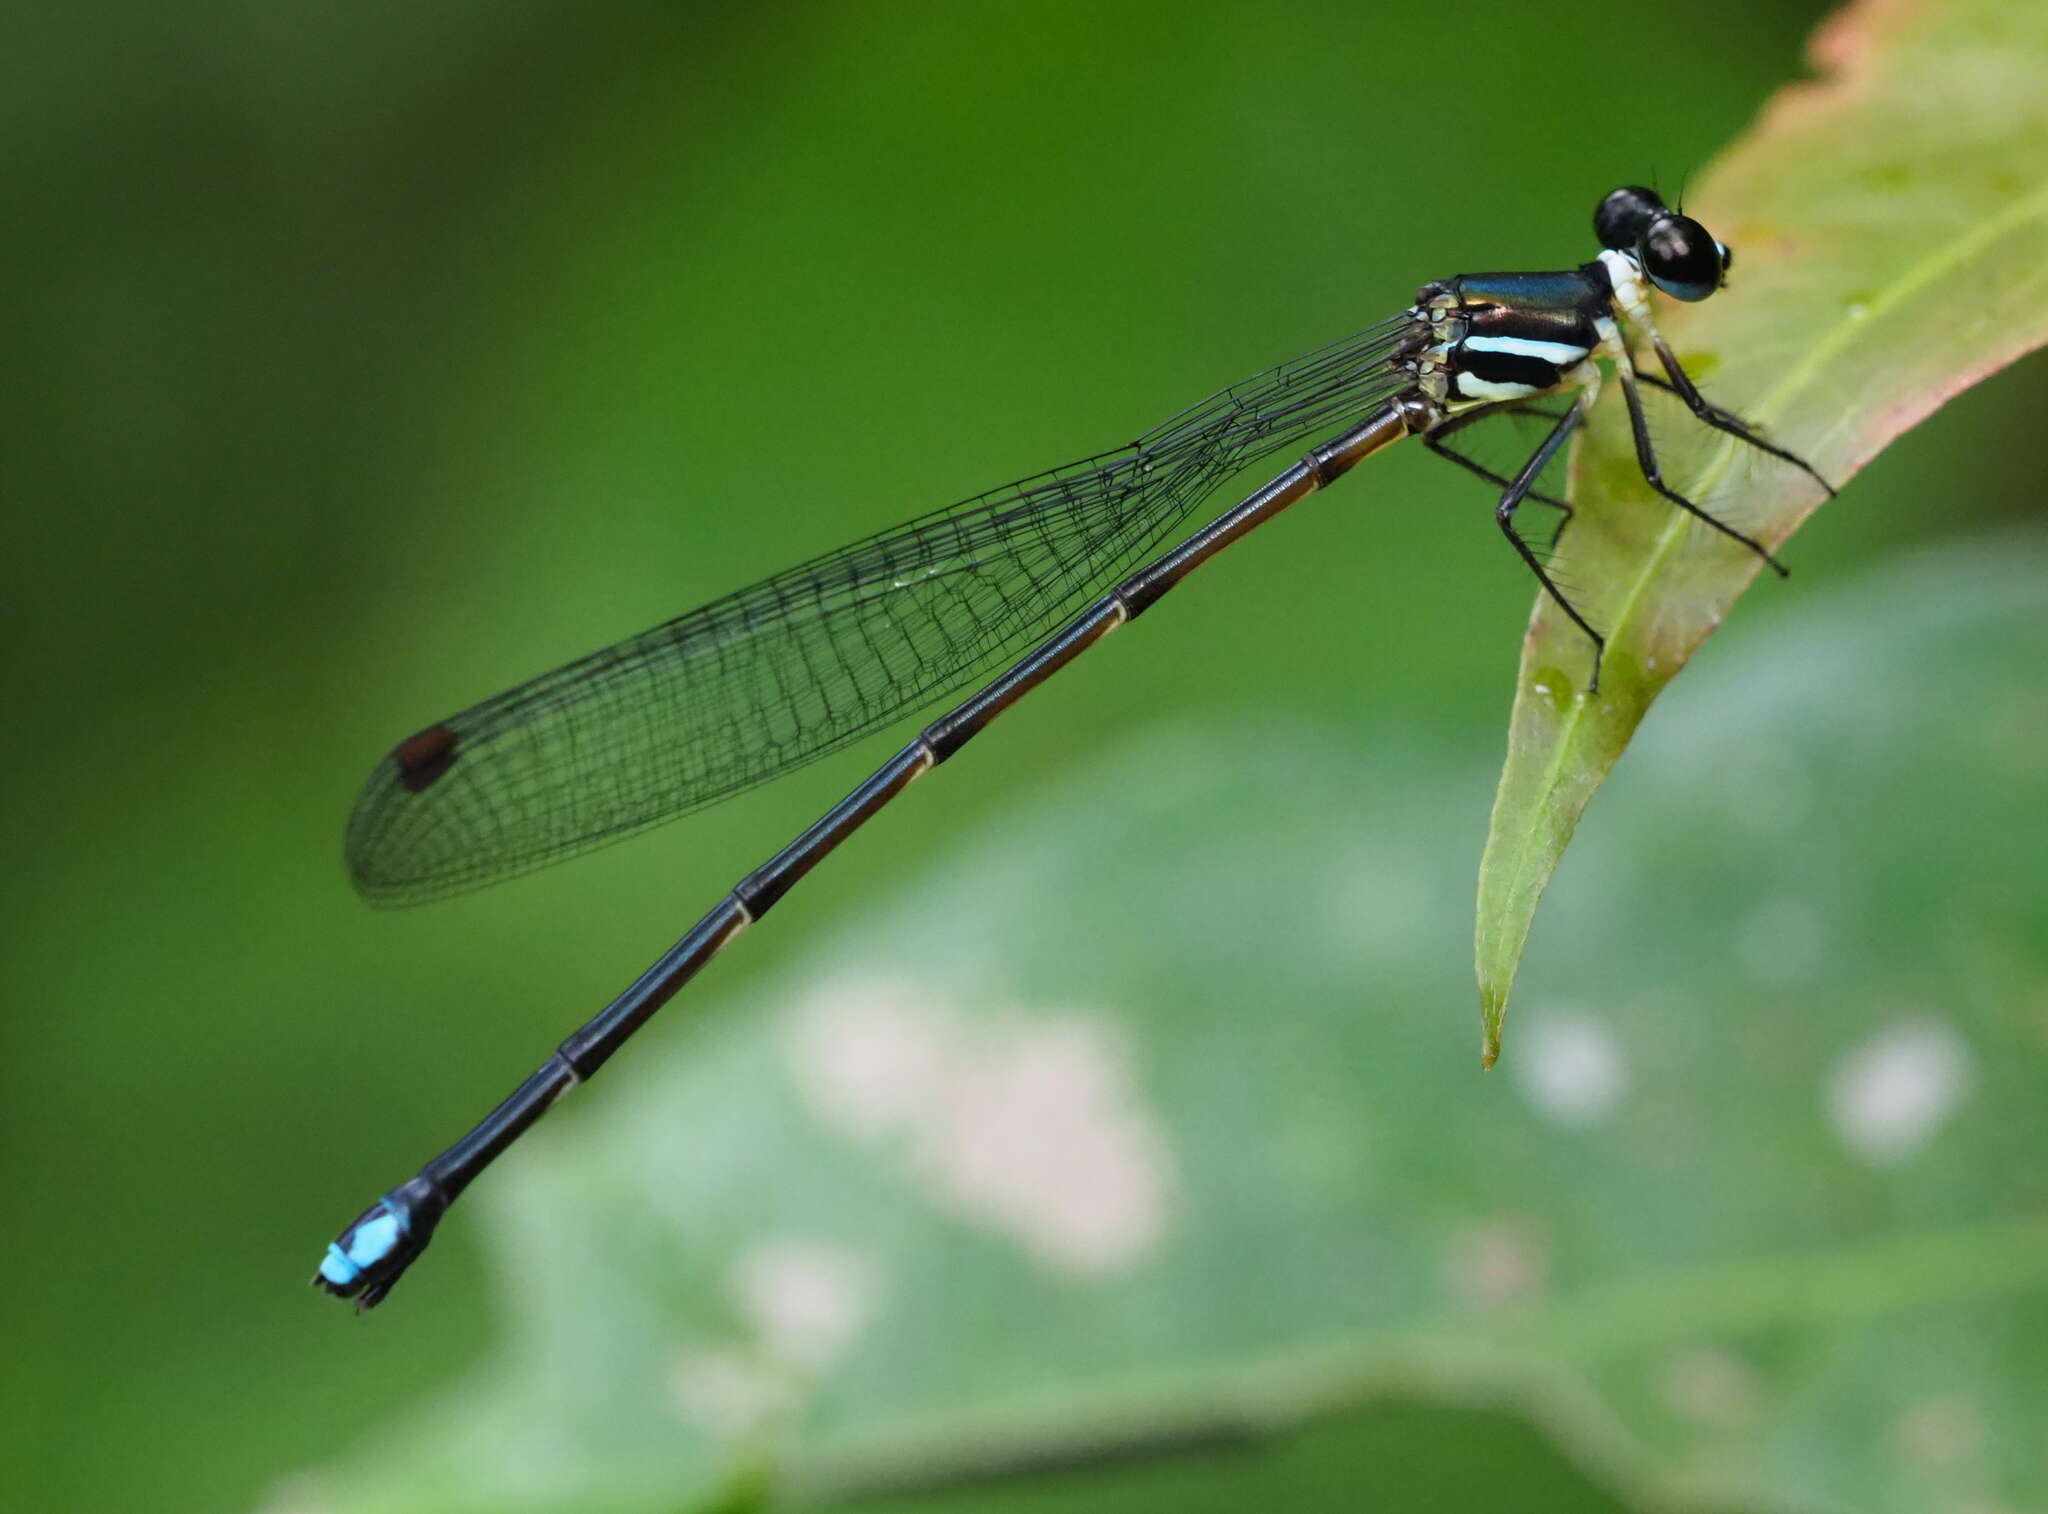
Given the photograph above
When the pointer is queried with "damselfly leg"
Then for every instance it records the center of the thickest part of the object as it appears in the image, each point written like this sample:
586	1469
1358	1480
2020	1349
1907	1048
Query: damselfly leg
1438	441
1511	500
1653	474
1708	413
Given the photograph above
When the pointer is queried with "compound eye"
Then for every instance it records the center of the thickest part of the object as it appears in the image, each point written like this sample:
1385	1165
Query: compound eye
1620	219
1681	258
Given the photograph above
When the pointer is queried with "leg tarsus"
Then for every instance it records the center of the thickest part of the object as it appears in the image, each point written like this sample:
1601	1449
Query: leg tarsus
1646	460
1726	421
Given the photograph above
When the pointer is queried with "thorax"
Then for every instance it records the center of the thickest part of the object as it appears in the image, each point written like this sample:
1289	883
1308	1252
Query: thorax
1488	338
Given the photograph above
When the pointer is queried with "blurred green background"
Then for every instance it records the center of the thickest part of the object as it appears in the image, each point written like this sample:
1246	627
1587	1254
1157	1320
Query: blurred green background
364	360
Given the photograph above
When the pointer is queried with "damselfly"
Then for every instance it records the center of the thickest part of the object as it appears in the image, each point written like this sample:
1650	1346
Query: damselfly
760	682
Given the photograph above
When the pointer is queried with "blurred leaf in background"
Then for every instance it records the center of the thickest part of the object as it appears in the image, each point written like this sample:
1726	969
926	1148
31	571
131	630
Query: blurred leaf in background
363	361
1071	1160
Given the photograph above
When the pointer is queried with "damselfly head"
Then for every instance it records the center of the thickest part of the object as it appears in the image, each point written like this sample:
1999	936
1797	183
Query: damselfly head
1675	252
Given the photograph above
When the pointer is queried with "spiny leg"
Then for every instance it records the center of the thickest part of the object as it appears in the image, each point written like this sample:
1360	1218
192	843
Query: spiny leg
1646	459
1504	513
1706	410
1434	441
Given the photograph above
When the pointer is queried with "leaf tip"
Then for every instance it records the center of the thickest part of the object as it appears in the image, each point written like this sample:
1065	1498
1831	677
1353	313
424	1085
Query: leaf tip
1492	1011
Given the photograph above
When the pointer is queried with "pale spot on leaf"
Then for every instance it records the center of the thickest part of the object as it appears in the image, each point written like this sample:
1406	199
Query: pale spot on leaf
726	1391
1031	1127
802	1305
877	1050
1889	1096
1570	1069
1038	1135
806	1302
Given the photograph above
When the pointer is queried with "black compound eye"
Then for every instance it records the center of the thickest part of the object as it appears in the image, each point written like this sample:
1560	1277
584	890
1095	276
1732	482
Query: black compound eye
1681	257
1620	219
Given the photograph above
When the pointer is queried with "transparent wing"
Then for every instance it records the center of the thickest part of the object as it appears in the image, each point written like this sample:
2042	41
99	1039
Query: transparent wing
796	666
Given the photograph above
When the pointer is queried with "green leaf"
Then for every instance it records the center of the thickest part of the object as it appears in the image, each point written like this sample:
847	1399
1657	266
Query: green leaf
1129	1156
1890	223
